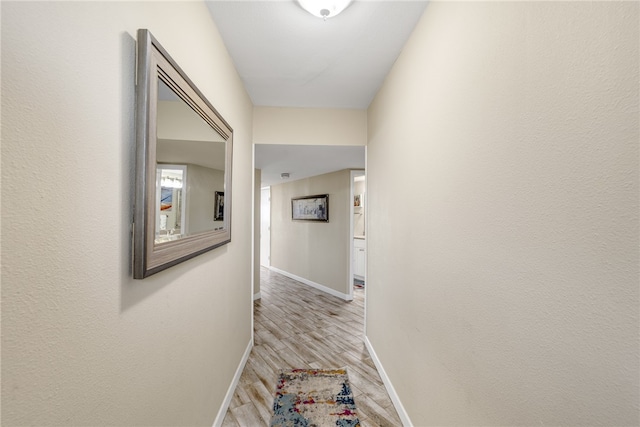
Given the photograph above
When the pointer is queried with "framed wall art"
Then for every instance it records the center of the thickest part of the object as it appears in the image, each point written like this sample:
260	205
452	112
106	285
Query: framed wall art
310	208
218	209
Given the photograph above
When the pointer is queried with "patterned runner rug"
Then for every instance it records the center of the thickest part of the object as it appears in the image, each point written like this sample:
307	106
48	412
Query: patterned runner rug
312	397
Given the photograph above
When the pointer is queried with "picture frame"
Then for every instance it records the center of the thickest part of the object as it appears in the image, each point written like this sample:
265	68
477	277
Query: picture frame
310	208
218	210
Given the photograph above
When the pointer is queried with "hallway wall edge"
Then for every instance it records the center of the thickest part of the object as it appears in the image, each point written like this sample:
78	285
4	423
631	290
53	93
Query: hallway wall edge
402	413
222	412
318	286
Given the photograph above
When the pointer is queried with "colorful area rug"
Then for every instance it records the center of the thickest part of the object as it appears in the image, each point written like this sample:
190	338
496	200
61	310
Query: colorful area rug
310	397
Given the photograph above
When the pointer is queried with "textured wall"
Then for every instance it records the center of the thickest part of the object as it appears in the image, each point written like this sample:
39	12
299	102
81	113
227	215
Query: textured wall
511	131
309	126
83	343
316	251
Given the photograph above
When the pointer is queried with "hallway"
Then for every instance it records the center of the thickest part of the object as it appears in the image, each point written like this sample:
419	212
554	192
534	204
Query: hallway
297	326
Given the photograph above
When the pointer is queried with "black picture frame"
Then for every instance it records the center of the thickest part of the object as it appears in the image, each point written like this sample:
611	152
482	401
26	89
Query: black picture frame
218	209
310	208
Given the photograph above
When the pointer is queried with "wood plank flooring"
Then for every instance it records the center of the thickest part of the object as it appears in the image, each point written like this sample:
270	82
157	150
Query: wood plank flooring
296	326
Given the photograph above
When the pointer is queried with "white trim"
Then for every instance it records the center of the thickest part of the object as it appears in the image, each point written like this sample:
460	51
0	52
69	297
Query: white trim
318	286
255	263
257	296
402	413
350	274
366	233
232	388
265	234
352	175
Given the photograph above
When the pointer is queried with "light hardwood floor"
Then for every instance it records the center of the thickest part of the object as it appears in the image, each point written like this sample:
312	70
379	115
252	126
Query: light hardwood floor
296	326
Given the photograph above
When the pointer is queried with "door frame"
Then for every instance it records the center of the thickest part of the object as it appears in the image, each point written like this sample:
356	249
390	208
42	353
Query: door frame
352	175
265	235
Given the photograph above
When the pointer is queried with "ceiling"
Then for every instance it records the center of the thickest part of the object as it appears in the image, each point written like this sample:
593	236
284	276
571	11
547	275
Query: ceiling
303	161
288	58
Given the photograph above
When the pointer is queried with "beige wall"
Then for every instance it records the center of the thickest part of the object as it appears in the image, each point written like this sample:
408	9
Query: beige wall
316	251
82	342
202	184
309	126
514	299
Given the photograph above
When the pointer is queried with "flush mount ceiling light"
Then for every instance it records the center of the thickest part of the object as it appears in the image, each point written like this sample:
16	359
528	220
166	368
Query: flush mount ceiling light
324	8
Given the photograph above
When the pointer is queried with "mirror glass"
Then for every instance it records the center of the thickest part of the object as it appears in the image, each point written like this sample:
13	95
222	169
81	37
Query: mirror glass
184	150
170	203
190	157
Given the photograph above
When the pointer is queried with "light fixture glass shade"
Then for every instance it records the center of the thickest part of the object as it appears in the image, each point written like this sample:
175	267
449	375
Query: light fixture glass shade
324	8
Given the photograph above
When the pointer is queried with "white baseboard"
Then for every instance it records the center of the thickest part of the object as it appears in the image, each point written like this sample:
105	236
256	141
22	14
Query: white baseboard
232	388
257	296
318	286
402	413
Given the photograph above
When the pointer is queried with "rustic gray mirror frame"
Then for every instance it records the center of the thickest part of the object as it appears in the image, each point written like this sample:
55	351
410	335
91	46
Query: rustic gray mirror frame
149	256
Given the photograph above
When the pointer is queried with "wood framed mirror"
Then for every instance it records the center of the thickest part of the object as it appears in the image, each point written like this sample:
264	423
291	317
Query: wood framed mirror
183	166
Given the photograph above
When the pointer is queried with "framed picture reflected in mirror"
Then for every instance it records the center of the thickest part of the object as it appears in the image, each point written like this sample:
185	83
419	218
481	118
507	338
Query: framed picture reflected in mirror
218	209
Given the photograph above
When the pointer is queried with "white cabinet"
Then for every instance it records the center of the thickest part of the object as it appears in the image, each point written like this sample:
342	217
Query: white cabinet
358	258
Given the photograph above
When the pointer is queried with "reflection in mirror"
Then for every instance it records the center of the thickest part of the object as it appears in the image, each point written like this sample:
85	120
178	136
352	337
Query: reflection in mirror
170	202
187	142
183	166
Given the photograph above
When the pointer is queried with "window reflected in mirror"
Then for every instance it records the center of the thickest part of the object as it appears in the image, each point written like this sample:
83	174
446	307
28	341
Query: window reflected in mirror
170	202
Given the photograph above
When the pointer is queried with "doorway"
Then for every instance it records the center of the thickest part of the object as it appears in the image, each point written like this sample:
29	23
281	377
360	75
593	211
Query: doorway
265	227
279	166
357	228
